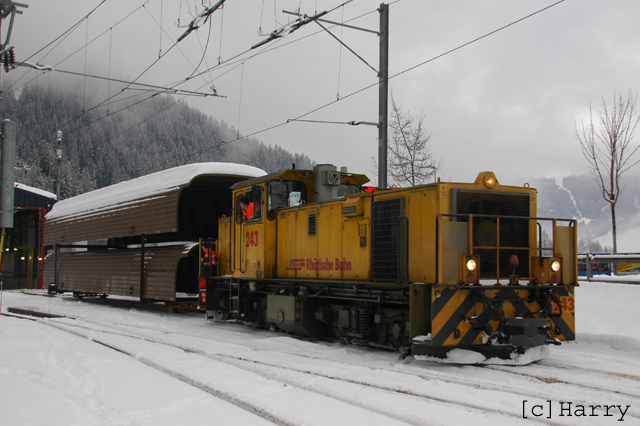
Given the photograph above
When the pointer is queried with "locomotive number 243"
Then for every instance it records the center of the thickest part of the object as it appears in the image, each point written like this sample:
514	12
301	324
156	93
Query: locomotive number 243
567	304
252	238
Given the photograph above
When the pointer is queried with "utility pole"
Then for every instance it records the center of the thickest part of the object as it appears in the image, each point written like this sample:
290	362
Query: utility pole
8	173
9	8
383	96
383	74
59	155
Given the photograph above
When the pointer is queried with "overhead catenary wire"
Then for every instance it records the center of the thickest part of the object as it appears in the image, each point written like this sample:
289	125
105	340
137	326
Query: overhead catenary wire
261	15
173	86
8	90
73	27
221	33
79	49
124	108
340	56
275	14
110	97
150	86
175	102
347	47
229	62
204	50
135	80
350	123
178	47
240	100
397	74
271	48
143	100
109	81
130	83
86	43
160	44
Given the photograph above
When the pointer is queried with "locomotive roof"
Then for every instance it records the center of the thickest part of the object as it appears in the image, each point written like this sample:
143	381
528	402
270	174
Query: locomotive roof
361	179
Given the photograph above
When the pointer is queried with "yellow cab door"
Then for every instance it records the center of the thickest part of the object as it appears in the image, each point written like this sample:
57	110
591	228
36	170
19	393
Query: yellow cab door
249	234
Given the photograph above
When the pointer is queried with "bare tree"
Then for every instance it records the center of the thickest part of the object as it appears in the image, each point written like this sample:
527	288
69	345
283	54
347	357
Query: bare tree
606	144
411	161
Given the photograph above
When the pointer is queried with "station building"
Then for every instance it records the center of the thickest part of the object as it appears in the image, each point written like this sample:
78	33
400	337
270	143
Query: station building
22	264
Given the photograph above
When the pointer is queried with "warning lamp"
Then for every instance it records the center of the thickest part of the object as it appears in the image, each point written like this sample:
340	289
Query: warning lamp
546	270
469	269
471	265
514	262
556	268
490	181
368	188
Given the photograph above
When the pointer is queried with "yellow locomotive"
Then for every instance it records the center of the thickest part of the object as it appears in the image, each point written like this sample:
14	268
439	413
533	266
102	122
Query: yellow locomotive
425	269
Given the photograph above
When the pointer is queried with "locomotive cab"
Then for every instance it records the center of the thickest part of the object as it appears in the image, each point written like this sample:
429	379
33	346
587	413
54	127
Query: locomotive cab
251	242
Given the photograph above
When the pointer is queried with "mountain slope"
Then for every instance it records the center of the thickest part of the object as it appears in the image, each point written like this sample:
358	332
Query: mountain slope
101	146
579	197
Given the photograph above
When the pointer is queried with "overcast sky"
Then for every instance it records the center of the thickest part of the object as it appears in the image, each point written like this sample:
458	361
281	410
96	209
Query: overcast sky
506	103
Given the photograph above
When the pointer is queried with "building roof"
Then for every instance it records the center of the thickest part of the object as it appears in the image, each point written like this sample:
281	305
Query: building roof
37	191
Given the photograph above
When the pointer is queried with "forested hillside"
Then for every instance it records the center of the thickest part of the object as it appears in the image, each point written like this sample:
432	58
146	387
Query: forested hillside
101	147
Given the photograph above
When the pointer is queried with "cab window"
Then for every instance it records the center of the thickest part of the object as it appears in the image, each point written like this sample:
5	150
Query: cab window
249	205
347	189
284	193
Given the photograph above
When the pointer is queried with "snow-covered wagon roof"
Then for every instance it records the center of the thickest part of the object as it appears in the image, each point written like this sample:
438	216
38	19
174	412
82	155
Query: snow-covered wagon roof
183	201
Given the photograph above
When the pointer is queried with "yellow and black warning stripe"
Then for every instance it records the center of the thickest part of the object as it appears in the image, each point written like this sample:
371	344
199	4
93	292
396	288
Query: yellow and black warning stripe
466	316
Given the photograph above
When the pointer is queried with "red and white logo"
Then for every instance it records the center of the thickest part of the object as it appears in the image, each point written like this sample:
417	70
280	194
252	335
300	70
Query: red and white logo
295	265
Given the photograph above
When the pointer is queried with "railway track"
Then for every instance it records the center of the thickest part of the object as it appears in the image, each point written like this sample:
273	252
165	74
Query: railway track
593	370
354	392
543	371
402	384
550	373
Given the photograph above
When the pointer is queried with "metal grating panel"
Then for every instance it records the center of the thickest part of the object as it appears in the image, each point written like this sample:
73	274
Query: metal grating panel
512	235
385	238
312	223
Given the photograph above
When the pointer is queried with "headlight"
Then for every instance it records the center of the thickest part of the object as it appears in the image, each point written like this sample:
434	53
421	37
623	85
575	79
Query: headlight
471	265
555	266
490	181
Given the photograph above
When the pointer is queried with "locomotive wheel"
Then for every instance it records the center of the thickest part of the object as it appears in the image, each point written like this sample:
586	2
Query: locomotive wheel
220	315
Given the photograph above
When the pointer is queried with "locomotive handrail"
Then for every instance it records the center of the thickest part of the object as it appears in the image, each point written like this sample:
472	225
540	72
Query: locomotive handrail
471	215
507	217
498	248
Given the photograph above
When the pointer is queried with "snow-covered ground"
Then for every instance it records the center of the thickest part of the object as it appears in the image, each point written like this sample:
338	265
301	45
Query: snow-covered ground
115	364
